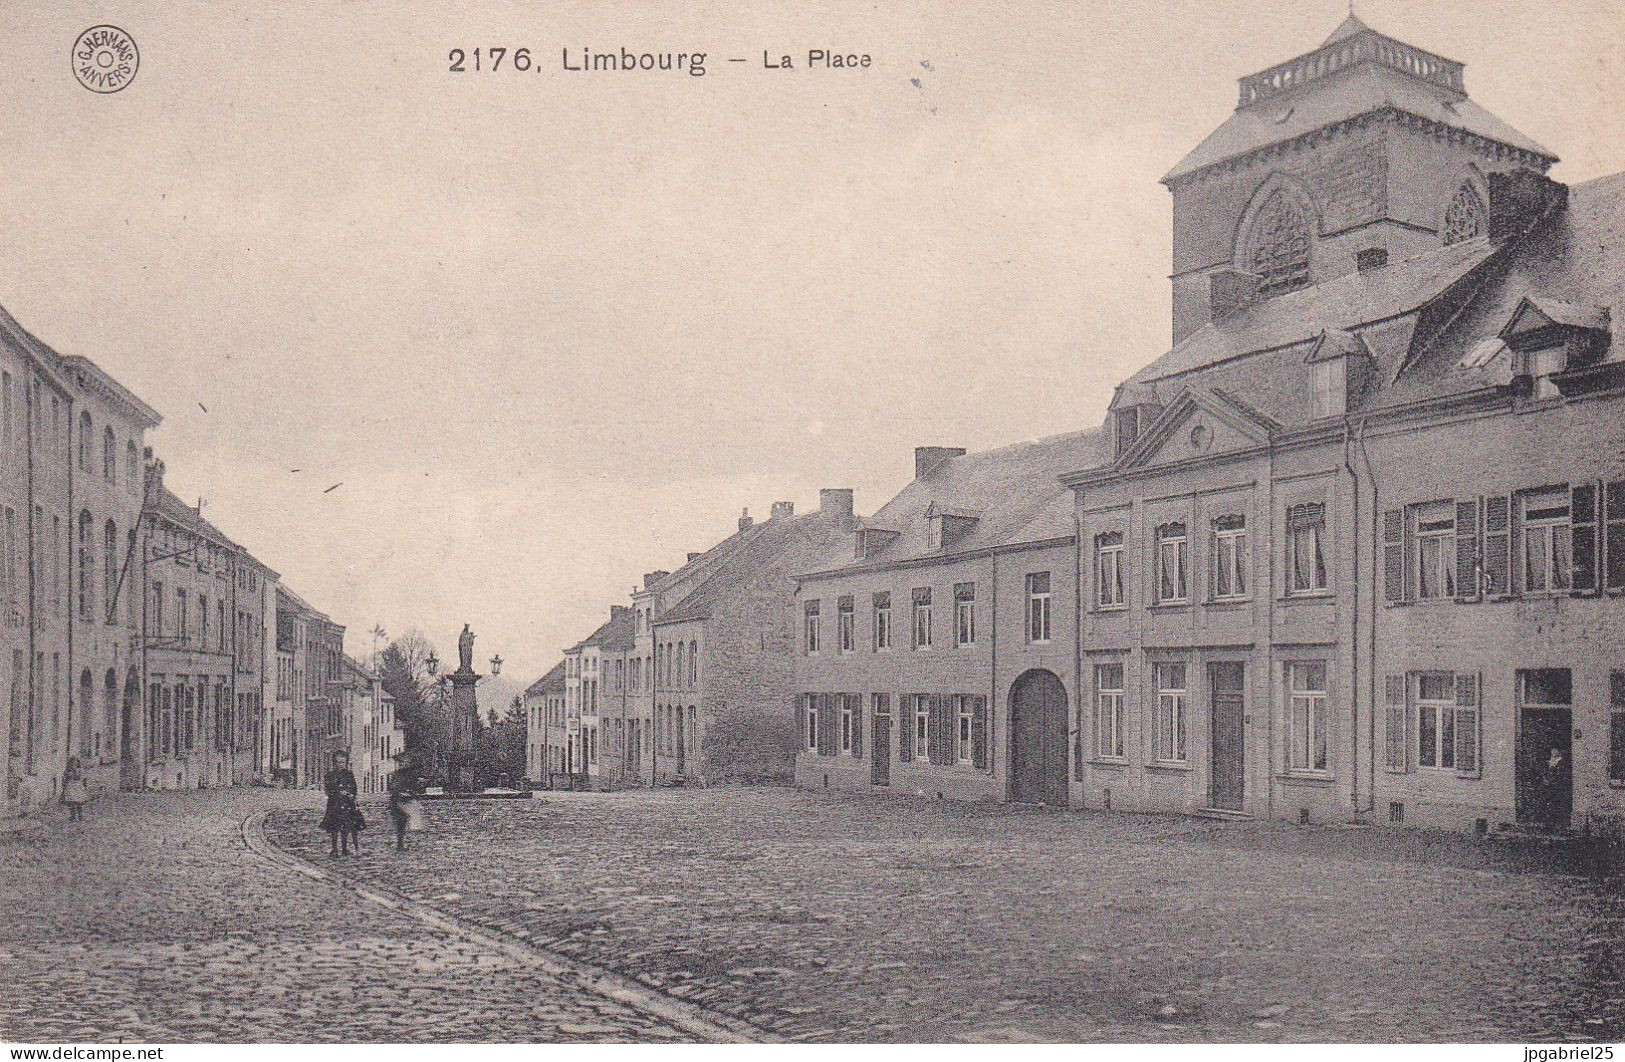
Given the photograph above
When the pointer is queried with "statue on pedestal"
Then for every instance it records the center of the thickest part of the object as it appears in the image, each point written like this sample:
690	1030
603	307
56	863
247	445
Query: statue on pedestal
465	649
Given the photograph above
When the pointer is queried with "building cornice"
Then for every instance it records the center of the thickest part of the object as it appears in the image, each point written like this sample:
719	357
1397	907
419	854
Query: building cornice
938	558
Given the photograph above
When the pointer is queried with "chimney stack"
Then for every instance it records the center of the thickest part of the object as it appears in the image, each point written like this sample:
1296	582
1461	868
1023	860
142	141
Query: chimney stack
835	501
651	578
782	508
692	557
927	458
1371	258
745	522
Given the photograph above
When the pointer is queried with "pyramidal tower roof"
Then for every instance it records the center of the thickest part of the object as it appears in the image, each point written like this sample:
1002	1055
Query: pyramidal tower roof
1356	71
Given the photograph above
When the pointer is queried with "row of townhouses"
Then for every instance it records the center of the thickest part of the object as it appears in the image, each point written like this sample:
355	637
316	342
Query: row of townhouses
135	636
692	678
1353	548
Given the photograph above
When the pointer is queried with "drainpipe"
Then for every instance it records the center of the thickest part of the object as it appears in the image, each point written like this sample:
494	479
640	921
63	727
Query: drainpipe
1371	631
30	401
1077	648
1269	700
993	676
1354	625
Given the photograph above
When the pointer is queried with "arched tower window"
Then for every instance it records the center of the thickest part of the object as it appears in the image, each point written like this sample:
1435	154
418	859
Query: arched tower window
1464	218
1279	248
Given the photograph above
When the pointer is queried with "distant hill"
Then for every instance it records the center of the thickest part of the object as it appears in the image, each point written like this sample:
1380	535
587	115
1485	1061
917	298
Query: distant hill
497	691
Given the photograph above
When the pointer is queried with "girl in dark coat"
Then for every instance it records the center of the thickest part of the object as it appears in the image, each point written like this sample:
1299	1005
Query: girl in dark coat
342	820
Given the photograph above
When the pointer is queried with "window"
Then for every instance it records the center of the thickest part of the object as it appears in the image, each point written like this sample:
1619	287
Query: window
1542	365
1127	422
964	733
1280	246
846	724
882	608
1306	557
181	625
1109	711
1038	608
1616	727
132	467
922	617
846	639
1172	560
1306	716
1109	570
85	565
1436	551
1546	542
1328	387
84	442
922	727
1229	557
810	702
1168	730
811	626
110	569
1464	217
964	614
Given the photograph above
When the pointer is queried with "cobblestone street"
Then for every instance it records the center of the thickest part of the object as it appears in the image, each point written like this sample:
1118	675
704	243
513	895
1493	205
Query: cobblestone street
150	921
818	917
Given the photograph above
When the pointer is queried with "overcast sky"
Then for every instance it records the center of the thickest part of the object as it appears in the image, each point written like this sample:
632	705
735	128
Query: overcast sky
554	330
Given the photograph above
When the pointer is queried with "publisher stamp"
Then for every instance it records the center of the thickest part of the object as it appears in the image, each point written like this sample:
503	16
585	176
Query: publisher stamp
105	59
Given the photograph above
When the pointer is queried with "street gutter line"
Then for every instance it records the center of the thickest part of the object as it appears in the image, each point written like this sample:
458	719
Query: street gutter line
701	1022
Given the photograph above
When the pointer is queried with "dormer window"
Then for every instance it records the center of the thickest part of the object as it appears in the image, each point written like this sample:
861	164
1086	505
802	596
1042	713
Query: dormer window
1549	339
946	526
1337	358
1329	396
1127	422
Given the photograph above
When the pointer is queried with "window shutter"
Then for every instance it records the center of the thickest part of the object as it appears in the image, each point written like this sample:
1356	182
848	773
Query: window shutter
857	726
1498	546
905	728
937	731
1393	556
1467	715
1467	588
1583	499
1077	737
978	733
826	724
1614	537
1397	732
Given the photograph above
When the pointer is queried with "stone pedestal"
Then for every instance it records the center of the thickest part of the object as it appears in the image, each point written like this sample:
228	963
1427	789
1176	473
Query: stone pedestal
464	711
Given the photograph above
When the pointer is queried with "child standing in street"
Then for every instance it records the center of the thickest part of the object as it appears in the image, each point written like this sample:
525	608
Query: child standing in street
74	793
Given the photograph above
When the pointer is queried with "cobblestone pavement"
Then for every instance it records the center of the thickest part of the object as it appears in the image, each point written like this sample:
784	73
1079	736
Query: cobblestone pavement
830	917
150	921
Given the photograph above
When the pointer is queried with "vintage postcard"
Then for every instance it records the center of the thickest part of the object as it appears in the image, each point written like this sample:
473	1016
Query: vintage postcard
948	523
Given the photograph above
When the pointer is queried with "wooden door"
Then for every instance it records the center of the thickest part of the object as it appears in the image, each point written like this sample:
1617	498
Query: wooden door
1038	739
1228	786
1545	778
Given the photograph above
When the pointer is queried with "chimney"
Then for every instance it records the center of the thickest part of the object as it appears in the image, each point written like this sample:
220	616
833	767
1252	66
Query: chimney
745	521
927	458
617	611
1230	290
1519	199
692	557
1371	258
836	501
782	509
651	578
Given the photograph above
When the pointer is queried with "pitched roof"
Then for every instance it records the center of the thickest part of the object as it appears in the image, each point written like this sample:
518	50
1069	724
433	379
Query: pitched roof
1339	303
552	682
173	508
1321	89
786	543
62	365
1016	488
1572	259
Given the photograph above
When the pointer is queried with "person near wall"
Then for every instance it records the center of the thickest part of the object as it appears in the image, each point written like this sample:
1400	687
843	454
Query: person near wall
74	793
404	807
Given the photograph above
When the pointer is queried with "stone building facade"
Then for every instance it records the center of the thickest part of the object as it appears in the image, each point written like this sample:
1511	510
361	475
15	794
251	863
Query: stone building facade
72	445
918	632
544	726
1353	548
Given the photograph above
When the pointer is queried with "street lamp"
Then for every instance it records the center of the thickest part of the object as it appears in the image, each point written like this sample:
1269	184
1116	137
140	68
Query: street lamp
496	665
433	663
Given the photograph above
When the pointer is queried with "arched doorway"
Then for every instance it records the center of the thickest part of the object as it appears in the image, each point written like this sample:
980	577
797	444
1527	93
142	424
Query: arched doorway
1038	739
131	739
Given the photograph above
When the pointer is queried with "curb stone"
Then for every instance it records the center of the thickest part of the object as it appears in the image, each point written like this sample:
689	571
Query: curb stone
698	1021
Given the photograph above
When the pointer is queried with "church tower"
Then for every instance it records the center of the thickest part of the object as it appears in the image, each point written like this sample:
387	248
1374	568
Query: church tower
1361	151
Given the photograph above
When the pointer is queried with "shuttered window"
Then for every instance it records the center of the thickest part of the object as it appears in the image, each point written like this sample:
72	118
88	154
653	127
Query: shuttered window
1468	586
857	726
1396	730
1616	728
964	732
978	725
1467	725
1614	537
1306	550
1498	545
1584	540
